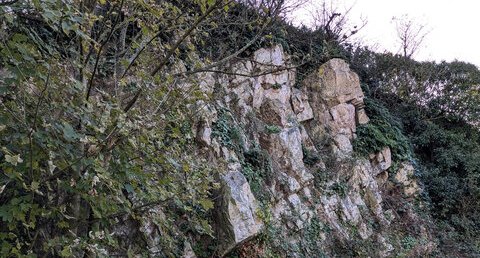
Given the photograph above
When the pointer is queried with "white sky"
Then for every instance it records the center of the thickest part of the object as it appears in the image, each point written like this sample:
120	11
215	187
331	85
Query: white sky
454	25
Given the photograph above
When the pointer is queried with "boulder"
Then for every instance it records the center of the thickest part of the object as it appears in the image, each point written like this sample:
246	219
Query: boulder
188	251
270	62
300	105
381	161
208	115
274	112
405	177
204	135
362	117
301	213
403	174
342	120
350	211
285	149
336	99
270	56
342	146
335	83
363	181
239	220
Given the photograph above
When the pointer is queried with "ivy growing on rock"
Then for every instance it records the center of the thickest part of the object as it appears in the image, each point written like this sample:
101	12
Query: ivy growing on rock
382	131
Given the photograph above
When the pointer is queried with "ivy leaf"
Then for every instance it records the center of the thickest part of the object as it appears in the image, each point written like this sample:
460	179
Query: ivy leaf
14	160
35	185
129	188
69	132
63	224
66	252
5	215
207	204
66	27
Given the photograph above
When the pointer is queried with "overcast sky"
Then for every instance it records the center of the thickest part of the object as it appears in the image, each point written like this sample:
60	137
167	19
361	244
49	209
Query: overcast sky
453	25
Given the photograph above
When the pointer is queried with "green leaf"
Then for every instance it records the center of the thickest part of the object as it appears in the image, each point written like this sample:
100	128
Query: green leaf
35	185
129	188
66	252
14	160
207	204
69	132
66	27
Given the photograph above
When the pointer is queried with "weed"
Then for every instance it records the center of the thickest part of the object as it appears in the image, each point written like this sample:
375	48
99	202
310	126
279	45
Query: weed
227	131
409	242
272	129
339	188
257	169
382	131
276	86
309	158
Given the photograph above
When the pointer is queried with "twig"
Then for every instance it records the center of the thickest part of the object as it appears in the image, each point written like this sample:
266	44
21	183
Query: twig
136	55
90	84
5	3
184	36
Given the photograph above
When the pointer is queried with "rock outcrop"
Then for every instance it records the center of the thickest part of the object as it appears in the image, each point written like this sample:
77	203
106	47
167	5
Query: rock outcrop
290	162
315	177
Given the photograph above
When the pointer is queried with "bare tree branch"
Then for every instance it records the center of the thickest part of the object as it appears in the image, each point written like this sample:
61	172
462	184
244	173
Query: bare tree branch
410	34
164	61
5	3
90	84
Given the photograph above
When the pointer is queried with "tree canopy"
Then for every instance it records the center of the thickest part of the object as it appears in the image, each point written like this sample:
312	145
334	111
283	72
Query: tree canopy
96	120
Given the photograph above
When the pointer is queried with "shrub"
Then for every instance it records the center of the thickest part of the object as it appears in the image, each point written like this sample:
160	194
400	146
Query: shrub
382	131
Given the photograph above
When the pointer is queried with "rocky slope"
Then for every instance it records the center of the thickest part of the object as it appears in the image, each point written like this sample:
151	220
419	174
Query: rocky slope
291	182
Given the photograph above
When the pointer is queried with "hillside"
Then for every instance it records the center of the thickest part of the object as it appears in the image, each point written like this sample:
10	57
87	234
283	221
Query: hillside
213	128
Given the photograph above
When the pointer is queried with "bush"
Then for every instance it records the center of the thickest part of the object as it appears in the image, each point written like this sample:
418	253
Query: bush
382	131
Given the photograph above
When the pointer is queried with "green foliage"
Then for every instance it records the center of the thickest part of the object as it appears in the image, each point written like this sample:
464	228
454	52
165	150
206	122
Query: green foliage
409	242
446	89
382	131
96	125
311	234
91	140
257	169
340	188
272	129
451	172
276	241
436	106
276	86
227	131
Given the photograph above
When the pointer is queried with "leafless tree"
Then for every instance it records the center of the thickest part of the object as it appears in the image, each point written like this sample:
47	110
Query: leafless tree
327	16
411	35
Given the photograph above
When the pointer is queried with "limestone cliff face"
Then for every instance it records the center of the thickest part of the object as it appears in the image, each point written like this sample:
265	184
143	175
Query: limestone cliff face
291	183
310	175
